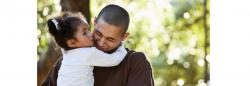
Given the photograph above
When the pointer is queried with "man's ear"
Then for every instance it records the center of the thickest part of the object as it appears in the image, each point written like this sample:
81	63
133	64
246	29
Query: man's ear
71	43
125	36
94	20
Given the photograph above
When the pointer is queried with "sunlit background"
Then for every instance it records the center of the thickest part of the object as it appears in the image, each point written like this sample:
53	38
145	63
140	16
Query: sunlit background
174	34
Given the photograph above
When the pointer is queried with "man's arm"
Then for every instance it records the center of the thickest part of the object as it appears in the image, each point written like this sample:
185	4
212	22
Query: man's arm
140	71
51	78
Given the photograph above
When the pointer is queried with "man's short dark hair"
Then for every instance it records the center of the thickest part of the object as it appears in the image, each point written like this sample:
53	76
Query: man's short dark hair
115	15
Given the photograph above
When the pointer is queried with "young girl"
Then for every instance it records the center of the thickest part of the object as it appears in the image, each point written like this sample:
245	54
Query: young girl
73	35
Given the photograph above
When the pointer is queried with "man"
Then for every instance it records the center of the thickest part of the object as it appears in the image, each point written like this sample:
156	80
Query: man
110	30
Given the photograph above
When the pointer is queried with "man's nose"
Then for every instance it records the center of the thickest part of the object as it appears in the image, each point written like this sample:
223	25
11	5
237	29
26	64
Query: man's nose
101	42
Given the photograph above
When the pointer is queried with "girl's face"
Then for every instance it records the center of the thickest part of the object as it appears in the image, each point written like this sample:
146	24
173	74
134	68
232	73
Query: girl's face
83	36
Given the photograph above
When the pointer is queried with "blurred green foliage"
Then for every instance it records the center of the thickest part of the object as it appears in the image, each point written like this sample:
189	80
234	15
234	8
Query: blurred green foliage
170	32
45	10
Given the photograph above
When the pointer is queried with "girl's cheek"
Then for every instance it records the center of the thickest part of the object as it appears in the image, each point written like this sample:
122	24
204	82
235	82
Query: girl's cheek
91	33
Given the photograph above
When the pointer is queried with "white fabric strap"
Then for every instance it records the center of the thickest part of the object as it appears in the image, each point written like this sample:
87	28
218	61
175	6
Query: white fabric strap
56	23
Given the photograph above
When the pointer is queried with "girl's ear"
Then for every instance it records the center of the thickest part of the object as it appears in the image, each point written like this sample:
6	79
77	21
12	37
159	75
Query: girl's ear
71	43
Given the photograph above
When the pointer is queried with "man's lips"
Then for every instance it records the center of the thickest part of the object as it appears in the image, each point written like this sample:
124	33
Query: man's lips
101	48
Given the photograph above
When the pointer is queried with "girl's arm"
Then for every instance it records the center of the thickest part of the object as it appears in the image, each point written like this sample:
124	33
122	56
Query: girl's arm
99	58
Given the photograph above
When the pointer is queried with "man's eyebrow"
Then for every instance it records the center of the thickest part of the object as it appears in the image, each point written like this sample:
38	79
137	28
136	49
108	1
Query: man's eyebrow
106	37
97	30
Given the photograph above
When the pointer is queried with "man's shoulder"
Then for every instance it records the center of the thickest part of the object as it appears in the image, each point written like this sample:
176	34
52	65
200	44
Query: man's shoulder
138	60
137	56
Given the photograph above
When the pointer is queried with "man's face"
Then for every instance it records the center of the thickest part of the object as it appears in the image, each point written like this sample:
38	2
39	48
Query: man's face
107	37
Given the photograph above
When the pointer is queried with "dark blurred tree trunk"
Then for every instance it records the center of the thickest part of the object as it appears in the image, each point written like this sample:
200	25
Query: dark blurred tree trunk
48	59
76	6
206	72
